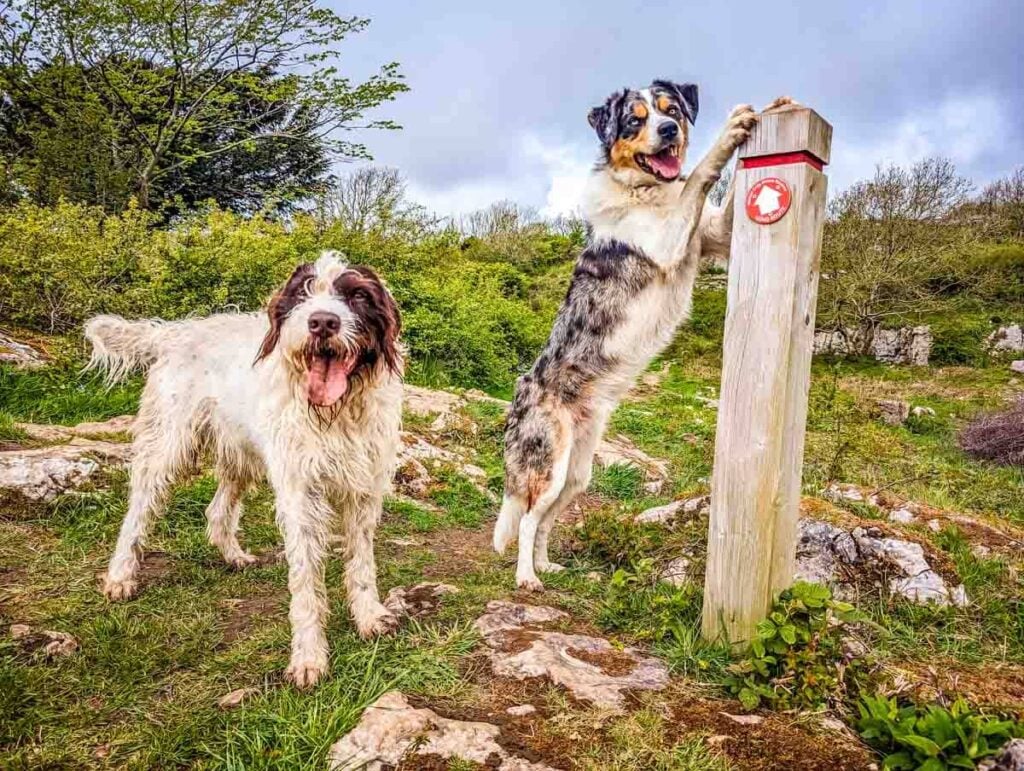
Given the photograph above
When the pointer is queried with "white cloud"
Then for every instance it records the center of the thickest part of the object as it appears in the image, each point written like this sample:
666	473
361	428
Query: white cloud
549	177
565	167
963	129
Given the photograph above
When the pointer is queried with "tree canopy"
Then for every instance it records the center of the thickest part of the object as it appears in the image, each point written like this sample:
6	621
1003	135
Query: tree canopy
177	101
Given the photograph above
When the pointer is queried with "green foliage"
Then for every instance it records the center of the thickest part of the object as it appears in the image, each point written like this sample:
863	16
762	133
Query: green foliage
959	338
933	737
617	541
466	322
60	394
177	99
796	658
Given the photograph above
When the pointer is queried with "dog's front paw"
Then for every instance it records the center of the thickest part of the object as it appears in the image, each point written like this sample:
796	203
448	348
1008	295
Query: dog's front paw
530	584
305	671
739	124
240	560
119	590
778	102
381	622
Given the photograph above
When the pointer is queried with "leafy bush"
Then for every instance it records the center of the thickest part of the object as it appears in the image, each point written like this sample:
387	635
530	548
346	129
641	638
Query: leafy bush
931	738
959	338
474	322
796	657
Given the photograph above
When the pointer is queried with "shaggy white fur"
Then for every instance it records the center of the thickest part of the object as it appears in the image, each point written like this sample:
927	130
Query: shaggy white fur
327	463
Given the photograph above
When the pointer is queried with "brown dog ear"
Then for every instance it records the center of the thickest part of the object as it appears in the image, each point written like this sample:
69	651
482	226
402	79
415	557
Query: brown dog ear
380	314
281	304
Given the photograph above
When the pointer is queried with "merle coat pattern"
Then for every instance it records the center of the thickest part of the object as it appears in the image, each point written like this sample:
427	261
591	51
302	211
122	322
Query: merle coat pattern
631	288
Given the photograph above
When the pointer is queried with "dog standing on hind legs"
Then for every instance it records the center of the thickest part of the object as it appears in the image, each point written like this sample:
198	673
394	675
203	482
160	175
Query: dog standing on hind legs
318	413
631	288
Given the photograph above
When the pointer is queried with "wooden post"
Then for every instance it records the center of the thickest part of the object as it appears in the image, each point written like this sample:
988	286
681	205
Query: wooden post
769	337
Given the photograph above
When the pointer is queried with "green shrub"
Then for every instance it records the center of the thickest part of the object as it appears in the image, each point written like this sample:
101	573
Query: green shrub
796	657
933	737
617	541
959	339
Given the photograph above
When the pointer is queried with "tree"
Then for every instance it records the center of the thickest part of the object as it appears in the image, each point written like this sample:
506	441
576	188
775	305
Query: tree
1003	204
892	247
373	198
181	83
79	154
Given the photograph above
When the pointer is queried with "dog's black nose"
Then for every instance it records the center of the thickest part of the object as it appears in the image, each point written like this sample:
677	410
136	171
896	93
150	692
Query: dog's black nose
668	130
323	323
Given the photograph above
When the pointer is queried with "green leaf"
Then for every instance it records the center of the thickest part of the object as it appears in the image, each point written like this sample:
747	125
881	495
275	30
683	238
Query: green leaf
749	699
788	633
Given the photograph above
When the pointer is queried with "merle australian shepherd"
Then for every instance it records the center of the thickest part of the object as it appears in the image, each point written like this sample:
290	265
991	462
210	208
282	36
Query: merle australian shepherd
649	227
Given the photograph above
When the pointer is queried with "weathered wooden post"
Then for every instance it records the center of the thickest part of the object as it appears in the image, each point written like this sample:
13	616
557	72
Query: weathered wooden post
769	336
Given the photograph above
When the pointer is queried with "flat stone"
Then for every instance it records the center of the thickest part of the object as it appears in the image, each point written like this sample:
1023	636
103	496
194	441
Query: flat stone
43	474
418	600
670	512
391	730
590	668
893	412
18	631
521	710
235	698
19	354
743	719
920	412
902	515
1017	366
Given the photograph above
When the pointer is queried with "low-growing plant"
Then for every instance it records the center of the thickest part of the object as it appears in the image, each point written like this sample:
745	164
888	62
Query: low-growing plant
932	737
610	538
797	658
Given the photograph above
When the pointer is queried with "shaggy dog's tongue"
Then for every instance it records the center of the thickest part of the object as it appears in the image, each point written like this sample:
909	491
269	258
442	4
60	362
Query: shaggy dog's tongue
327	379
665	163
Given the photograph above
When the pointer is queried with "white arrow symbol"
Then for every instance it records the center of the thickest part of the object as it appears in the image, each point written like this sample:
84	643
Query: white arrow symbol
767	200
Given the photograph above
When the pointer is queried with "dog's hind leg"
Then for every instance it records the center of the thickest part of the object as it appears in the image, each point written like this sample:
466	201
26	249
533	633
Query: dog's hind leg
161	452
360	523
526	576
222	517
581	463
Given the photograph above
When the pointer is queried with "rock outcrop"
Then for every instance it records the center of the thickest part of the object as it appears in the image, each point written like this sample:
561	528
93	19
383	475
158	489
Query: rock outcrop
391	731
589	668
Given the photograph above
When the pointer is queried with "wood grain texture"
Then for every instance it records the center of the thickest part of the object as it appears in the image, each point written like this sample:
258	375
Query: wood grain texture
790	129
769	330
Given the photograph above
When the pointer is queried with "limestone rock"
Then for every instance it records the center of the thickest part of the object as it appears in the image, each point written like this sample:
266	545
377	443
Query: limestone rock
920	412
391	730
893	412
620	450
1010	758
1006	339
19	354
670	512
521	710
828	554
676	572
45	473
590	668
417	600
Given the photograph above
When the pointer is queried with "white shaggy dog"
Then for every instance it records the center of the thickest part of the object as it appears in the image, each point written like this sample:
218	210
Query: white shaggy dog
318	412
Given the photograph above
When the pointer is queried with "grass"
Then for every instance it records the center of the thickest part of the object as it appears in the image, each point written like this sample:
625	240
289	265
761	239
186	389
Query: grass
142	691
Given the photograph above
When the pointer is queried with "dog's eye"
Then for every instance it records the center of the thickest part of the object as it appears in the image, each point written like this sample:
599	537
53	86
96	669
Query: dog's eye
673	111
634	121
360	294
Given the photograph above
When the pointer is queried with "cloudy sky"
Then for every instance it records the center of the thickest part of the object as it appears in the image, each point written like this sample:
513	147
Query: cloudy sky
500	91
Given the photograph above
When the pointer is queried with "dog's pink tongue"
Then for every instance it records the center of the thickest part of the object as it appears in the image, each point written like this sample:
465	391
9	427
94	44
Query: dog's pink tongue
327	380
665	164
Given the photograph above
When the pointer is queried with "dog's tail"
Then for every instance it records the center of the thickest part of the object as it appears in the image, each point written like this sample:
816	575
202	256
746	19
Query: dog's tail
120	346
507	527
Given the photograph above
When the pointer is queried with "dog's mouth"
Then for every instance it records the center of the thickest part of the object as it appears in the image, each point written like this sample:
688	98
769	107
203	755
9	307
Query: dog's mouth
327	374
664	164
